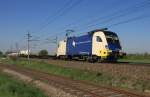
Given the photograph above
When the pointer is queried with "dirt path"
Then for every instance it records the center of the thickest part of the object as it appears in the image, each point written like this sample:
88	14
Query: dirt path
48	89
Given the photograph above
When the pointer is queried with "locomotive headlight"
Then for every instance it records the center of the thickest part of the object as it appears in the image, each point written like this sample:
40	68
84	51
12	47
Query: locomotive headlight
106	46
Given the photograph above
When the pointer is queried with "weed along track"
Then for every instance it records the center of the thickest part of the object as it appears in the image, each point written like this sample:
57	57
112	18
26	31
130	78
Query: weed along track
78	88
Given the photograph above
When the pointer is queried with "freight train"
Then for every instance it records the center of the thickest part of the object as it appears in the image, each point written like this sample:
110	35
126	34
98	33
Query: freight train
97	45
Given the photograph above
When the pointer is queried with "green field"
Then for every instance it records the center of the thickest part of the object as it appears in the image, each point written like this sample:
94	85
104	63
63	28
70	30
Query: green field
136	58
67	72
95	77
136	61
10	87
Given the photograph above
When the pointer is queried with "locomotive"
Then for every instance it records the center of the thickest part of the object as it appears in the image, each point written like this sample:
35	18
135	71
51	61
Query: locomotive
97	45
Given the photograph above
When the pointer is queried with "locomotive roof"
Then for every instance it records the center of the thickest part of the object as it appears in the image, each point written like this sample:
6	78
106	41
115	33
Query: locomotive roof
91	32
104	30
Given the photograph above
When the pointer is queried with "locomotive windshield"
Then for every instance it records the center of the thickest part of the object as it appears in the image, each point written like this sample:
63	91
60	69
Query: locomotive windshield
112	37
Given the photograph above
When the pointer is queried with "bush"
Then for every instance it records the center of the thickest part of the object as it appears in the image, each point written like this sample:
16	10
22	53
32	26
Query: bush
14	58
1	53
43	53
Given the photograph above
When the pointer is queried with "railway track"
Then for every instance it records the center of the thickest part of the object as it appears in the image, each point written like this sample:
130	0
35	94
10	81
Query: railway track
85	62
79	88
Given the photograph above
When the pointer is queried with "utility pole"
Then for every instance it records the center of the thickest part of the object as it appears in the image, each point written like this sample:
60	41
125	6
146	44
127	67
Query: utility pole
56	40
28	40
17	48
53	40
11	49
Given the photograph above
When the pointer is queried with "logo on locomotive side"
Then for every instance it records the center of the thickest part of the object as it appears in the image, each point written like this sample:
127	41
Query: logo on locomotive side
74	43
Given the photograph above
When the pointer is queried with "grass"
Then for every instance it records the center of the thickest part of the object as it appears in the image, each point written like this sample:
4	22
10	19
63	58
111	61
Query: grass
9	87
62	71
95	77
136	58
144	61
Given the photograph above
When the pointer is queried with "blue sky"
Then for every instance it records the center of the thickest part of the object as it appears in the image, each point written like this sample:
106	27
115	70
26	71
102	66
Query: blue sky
19	16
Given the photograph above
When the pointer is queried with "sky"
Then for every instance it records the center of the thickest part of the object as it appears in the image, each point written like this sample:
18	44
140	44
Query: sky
46	19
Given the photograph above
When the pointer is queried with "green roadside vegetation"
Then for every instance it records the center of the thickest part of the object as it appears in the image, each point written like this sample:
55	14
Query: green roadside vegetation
136	58
137	61
94	77
10	87
1	54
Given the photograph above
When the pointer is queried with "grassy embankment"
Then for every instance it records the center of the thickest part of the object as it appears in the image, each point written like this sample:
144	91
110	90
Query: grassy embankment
136	58
10	87
95	77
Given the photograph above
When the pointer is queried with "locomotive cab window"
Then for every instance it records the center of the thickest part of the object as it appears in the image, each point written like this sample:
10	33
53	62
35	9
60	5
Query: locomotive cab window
98	39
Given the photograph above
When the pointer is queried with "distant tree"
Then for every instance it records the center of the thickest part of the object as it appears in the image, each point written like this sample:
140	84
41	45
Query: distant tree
146	54
43	53
1	53
7	52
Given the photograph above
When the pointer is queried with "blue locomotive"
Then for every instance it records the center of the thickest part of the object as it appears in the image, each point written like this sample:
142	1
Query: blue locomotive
96	45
